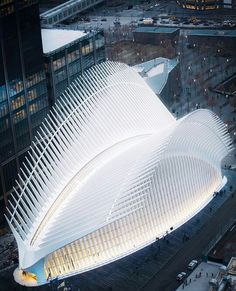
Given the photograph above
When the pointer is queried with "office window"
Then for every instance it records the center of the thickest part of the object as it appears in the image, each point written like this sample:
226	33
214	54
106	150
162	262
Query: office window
60	75
6	10
18	116
37	91
17	102
72	56
4	2
35	78
38	105
74	68
15	87
57	64
3	109
3	94
4	123
88	61
87	46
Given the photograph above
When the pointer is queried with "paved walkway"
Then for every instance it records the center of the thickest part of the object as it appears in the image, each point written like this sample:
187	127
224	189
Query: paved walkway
199	279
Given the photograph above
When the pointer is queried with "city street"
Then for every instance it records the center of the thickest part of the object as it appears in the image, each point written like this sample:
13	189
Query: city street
164	13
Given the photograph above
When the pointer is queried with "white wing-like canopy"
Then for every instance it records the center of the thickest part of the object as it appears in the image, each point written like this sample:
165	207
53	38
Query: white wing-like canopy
108	157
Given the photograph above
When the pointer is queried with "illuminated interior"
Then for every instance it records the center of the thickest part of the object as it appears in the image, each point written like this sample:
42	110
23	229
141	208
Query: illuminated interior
200	5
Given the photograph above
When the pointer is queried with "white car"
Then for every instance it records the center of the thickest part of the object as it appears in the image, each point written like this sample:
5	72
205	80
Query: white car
192	265
180	276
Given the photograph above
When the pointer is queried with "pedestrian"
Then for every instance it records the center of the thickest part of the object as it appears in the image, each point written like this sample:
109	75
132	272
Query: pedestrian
190	280
200	274
206	274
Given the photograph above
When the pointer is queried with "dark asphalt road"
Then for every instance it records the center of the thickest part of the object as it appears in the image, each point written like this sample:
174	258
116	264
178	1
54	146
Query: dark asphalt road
165	279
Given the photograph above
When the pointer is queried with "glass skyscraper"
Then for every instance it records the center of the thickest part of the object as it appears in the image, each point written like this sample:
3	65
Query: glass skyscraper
23	91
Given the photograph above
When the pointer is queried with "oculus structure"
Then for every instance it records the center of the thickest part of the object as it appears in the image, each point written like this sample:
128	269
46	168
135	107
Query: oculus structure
111	170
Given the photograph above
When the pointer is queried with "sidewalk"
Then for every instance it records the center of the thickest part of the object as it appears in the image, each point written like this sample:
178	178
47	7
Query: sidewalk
199	279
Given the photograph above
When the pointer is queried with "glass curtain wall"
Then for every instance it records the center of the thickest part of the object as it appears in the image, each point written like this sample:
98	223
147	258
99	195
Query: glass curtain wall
67	63
23	94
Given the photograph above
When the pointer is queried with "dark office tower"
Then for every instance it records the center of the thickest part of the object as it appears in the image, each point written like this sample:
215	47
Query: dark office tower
23	96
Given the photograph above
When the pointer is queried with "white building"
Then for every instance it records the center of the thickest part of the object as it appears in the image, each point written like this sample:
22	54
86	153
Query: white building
112	170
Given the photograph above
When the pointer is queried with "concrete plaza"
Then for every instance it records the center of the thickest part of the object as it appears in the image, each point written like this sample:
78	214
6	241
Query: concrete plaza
199	279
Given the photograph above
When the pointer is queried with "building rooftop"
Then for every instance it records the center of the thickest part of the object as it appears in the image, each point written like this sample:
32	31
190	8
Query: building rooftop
54	39
212	32
155	72
154	29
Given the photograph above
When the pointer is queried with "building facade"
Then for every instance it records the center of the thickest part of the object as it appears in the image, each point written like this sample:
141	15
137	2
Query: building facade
156	35
116	172
215	39
66	60
23	92
201	5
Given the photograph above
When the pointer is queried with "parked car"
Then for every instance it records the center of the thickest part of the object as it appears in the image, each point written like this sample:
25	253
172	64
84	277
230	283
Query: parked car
117	23
192	265
181	276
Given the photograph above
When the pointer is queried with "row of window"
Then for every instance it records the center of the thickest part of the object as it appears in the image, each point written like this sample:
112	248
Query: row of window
87	48
6	10
38	110
35	78
4	2
17	86
19	101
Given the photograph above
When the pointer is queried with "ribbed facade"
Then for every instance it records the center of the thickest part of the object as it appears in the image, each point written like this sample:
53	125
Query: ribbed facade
111	171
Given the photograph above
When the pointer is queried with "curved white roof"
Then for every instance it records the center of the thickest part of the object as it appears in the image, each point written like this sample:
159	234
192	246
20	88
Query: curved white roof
109	150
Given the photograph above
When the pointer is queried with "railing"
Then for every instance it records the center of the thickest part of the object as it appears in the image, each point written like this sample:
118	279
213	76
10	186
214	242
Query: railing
66	10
